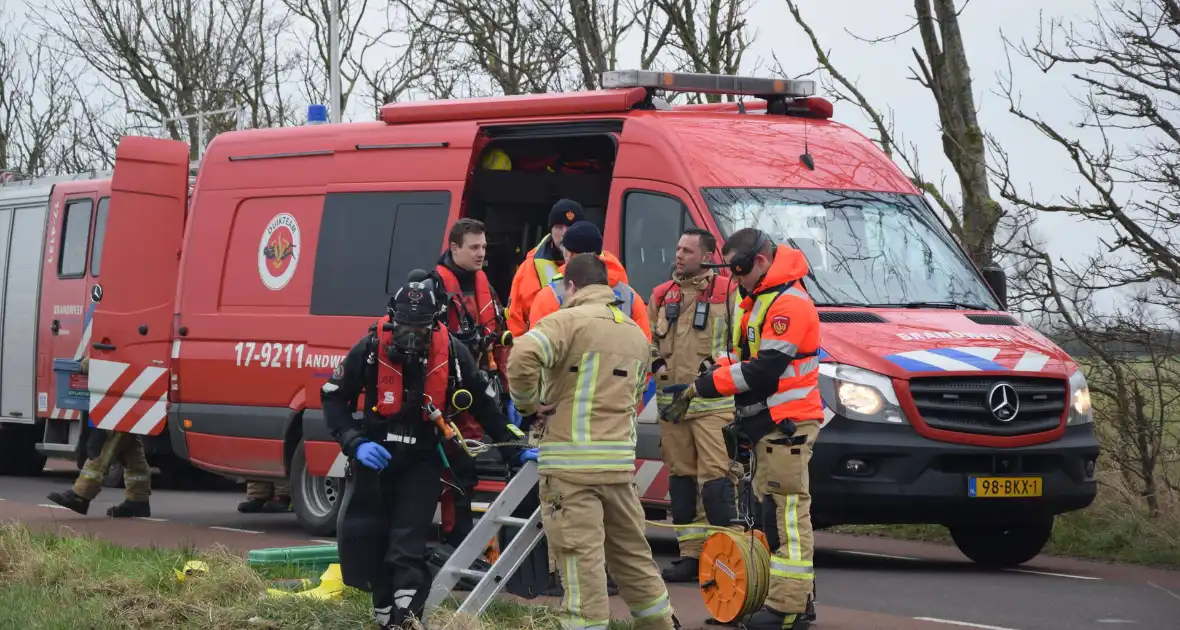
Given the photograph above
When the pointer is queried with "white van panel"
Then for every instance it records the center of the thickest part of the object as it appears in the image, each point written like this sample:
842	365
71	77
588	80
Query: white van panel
23	230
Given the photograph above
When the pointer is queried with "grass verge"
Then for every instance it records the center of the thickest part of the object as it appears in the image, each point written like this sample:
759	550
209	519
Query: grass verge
1112	529
49	582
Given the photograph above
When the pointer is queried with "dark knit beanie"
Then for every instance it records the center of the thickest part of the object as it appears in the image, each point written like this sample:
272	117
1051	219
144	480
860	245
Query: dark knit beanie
582	237
566	212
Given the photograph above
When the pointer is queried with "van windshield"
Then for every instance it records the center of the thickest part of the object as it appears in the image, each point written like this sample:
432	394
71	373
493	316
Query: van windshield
864	249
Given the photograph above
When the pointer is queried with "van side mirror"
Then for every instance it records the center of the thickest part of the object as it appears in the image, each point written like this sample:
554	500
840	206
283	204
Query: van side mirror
998	281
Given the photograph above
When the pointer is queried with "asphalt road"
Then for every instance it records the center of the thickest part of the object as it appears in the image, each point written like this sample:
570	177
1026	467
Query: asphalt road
863	582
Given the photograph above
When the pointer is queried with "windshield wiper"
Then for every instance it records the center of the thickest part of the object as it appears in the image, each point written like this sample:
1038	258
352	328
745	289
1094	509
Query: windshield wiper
954	305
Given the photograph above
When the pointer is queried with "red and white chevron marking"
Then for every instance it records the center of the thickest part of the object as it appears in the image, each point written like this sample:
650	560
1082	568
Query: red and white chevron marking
651	477
136	400
65	414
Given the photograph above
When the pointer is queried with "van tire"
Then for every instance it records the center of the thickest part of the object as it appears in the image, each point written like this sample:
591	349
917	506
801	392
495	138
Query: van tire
18	451
1003	546
316	500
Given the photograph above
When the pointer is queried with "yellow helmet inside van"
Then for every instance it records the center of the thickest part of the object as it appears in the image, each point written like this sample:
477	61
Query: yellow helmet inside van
497	160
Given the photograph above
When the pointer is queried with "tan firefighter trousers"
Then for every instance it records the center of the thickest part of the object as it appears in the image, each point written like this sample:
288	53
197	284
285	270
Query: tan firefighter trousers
588	526
267	490
137	475
536	431
695	447
780	474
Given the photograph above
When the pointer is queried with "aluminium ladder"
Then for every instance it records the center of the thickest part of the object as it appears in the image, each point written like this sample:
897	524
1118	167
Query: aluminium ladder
498	515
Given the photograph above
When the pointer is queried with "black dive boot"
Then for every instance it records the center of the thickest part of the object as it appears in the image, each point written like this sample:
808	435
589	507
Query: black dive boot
70	499
770	619
683	570
554	589
129	509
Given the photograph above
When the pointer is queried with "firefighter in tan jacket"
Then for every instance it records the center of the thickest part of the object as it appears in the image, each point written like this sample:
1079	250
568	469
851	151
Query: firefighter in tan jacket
591	361
689	318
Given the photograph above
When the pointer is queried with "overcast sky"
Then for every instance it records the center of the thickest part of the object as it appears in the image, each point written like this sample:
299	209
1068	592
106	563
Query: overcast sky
882	70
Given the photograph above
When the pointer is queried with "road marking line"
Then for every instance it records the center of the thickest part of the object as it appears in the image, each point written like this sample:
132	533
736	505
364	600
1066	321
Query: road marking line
154	520
55	507
1116	621
234	529
964	624
876	555
323	542
1153	584
1064	575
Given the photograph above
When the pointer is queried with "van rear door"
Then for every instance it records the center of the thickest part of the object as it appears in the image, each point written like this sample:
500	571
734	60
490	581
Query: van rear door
132	329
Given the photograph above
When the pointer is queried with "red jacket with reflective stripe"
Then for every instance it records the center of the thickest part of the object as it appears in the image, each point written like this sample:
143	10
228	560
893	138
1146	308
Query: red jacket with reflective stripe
781	368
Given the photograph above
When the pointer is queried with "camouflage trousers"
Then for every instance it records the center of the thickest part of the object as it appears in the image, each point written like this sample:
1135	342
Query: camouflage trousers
267	490
126	449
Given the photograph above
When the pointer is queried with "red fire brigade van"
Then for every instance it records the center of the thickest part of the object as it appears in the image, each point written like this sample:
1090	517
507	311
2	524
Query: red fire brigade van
51	242
219	317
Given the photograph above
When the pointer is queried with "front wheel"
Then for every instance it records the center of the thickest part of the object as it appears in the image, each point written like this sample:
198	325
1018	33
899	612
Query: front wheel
316	499
1003	546
18	450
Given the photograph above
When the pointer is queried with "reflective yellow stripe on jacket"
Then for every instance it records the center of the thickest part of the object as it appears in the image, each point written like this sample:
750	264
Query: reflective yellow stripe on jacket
752	334
584	452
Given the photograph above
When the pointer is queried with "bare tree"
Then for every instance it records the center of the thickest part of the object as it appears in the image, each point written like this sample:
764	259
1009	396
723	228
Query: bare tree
1127	60
947	74
708	36
36	103
358	45
271	64
420	62
1129	66
518	45
169	58
594	28
942	67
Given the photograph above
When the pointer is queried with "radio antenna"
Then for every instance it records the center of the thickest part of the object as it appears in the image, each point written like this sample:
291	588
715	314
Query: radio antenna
808	161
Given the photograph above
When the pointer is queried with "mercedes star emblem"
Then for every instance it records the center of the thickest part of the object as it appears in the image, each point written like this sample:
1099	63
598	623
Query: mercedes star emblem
1003	402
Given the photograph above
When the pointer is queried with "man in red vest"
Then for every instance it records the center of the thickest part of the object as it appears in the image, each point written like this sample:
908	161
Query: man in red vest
475	318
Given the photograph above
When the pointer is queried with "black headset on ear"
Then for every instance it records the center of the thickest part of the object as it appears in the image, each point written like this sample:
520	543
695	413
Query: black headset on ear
742	263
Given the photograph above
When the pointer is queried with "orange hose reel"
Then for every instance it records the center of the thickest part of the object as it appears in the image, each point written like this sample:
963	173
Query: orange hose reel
734	573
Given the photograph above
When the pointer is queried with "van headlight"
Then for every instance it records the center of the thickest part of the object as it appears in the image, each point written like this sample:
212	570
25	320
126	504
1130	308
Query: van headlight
1080	411
858	394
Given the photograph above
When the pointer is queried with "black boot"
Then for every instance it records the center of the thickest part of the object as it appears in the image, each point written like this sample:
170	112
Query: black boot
770	619
809	614
277	505
70	499
683	570
251	506
129	509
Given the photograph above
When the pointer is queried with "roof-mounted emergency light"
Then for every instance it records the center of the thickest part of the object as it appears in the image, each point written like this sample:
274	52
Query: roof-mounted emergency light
708	83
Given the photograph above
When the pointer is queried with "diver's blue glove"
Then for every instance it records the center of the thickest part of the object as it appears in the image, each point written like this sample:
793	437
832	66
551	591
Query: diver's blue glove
514	415
528	455
373	455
